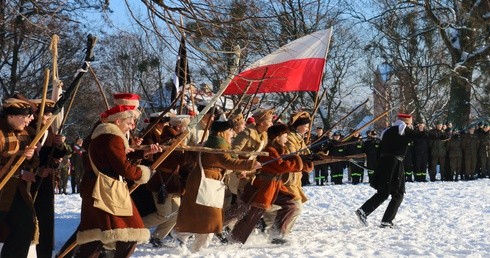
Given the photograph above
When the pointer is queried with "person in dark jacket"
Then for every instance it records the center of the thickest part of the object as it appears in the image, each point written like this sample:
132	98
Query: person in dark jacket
455	155
483	150
437	154
356	146
469	144
408	162
17	216
321	140
53	149
371	145
421	158
337	168
389	178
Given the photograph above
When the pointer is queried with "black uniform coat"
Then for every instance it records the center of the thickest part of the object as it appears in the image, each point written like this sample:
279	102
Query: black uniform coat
390	172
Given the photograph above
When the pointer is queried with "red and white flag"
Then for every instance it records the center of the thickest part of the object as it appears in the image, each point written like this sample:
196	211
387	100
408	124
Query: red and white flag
297	66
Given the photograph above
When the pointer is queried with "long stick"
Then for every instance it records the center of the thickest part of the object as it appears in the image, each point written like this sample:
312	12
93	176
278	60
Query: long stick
367	124
57	107
313	113
241	98
341	119
286	108
99	86
165	111
256	91
207	150
193	123
208	125
40	119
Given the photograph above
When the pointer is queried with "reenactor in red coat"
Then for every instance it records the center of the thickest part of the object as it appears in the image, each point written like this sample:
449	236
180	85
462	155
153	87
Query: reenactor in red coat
107	155
269	189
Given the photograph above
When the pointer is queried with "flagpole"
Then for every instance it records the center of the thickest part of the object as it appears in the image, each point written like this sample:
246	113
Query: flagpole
286	108
317	102
256	90
241	98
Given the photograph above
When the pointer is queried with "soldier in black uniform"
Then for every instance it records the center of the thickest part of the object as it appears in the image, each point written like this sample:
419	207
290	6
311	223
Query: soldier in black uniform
408	162
437	154
321	170
371	146
356	146
389	178
421	157
337	168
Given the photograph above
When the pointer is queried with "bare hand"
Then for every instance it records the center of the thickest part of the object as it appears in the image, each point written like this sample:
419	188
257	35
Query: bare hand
257	165
29	152
137	141
242	174
154	148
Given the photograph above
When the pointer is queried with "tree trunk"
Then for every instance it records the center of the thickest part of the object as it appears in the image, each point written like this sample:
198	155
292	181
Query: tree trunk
459	99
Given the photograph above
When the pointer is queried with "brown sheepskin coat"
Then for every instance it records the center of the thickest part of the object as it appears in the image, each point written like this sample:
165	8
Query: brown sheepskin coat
108	152
195	218
268	181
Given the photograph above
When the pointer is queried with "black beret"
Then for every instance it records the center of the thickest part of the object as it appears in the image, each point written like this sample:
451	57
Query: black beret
220	126
301	121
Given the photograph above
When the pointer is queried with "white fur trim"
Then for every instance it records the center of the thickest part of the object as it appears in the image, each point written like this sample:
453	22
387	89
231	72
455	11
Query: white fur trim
140	235
110	128
145	175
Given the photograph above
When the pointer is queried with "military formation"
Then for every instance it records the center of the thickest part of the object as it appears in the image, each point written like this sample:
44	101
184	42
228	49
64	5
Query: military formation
173	184
462	155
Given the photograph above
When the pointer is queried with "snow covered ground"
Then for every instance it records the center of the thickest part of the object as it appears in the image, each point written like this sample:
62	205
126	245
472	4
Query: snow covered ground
439	219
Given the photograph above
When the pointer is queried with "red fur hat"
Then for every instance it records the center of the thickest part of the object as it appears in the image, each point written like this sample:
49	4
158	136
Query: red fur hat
127	99
119	112
404	116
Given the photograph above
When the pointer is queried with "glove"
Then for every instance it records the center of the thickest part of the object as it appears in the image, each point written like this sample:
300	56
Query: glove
310	157
162	194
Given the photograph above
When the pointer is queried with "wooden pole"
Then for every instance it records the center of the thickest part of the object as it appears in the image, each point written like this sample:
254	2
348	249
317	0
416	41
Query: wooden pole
99	86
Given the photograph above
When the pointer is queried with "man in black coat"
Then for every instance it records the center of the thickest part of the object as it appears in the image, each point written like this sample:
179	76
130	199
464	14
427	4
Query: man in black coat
389	178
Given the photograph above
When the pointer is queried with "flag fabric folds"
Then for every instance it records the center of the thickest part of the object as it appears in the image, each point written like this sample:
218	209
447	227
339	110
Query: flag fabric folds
182	75
297	66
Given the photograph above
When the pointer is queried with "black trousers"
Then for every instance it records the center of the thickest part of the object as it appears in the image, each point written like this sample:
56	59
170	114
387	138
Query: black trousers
321	174
44	207
20	219
93	249
378	198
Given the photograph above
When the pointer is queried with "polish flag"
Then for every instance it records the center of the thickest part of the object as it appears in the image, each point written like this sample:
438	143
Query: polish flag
297	66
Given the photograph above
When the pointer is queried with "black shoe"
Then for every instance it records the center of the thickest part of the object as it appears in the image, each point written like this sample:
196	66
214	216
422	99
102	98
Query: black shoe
279	241
222	238
361	215
387	225
156	242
